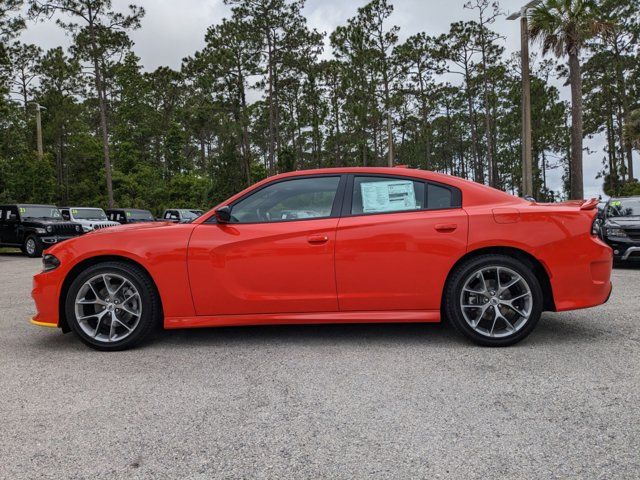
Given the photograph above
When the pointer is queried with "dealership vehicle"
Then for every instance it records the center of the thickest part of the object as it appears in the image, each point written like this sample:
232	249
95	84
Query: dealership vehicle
34	227
180	215
90	218
129	215
619	226
370	245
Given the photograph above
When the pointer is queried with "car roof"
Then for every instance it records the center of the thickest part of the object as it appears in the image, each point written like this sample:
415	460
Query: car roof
84	208
473	194
31	205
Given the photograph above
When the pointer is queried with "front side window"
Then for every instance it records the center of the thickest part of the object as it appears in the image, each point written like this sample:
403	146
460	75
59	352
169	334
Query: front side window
386	194
296	199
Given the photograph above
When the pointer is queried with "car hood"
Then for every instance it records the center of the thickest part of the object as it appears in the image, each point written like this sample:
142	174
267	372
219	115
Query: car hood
128	227
624	222
91	223
37	222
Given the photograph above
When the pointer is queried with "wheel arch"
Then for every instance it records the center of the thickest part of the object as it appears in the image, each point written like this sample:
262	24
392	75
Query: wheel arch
536	265
84	264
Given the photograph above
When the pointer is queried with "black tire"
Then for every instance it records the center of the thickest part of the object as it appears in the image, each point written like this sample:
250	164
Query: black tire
150	318
32	247
453	292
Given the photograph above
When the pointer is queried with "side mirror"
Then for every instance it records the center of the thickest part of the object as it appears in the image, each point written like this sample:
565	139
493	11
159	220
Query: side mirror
13	217
223	214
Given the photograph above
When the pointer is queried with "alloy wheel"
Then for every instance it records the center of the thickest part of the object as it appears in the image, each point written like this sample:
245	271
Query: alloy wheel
108	307
496	301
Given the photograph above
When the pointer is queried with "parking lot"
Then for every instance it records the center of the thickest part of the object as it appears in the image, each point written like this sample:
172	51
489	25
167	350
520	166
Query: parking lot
343	401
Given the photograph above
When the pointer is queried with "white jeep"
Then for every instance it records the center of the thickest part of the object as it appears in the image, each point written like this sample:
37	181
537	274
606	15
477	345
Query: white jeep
90	218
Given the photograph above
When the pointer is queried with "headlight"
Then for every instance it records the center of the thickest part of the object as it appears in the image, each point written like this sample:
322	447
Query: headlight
49	228
616	232
78	228
40	231
86	228
49	262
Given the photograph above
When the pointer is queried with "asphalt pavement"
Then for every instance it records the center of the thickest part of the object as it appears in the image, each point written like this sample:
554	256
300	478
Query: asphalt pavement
331	401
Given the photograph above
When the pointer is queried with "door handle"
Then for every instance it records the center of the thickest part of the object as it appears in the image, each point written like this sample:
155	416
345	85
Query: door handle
318	239
446	227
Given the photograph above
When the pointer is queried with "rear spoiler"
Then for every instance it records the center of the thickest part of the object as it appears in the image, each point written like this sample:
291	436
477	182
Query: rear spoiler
582	204
589	204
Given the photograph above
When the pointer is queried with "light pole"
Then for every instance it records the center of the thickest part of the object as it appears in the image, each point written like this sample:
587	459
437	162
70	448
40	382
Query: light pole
527	169
39	108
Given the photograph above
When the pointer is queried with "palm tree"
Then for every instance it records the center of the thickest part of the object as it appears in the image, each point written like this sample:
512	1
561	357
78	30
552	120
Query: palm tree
563	26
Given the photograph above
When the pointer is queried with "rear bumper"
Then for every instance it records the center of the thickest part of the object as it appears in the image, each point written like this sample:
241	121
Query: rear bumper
585	279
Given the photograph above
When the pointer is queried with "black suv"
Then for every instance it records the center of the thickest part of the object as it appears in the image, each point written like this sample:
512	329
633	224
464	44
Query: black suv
618	224
129	215
34	227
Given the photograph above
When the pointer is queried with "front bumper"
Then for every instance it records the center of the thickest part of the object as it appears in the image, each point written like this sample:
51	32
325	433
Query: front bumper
624	249
45	296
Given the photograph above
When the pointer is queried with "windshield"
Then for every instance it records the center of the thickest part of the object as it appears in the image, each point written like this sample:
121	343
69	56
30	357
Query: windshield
88	214
626	207
139	215
189	214
40	212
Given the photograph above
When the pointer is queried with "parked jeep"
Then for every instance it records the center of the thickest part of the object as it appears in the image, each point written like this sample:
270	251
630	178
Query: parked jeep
90	218
129	215
34	228
619	226
180	215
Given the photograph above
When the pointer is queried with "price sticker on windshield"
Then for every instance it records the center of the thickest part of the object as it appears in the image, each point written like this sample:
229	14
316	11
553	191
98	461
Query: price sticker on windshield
74	211
23	210
128	214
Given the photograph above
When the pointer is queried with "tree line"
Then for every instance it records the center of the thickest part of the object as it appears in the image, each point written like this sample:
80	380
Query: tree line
263	97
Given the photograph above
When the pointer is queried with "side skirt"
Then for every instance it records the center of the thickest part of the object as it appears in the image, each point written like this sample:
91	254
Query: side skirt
398	316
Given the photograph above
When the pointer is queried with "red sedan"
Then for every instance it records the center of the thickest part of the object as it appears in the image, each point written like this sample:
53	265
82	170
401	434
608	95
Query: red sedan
329	246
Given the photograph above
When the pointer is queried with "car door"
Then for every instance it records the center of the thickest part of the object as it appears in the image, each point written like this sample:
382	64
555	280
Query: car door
3	225
396	242
11	226
276	255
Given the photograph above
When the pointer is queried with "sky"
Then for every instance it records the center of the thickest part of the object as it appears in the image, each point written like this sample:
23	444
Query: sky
174	29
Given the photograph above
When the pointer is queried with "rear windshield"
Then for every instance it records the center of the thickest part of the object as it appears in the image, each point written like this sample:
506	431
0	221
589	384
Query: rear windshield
624	207
40	212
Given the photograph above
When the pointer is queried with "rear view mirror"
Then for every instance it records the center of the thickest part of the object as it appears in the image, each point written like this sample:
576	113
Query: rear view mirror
223	214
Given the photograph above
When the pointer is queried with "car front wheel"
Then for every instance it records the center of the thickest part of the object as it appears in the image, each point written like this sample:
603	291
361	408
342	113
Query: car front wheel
32	246
112	306
494	300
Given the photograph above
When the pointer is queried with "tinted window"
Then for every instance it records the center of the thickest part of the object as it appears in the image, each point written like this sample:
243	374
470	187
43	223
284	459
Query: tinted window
386	194
438	197
45	212
288	200
139	215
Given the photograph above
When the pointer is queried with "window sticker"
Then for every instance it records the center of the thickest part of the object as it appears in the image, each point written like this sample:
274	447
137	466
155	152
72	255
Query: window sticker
74	211
23	210
388	196
128	214
616	203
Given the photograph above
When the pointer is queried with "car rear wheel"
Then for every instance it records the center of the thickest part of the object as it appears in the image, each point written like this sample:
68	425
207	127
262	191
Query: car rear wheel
494	300
112	306
32	246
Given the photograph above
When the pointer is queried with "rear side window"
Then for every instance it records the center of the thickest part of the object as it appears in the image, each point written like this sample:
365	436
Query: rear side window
386	194
439	197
